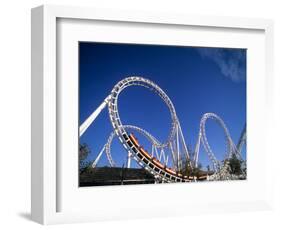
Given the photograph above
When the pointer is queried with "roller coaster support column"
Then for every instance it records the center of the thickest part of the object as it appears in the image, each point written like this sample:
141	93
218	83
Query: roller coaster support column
183	141
196	151
98	157
93	116
242	140
129	160
178	150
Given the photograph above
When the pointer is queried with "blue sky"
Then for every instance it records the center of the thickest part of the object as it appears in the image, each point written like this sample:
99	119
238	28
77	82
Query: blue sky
197	80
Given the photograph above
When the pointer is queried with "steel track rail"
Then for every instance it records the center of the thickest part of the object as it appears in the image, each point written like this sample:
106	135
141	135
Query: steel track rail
141	159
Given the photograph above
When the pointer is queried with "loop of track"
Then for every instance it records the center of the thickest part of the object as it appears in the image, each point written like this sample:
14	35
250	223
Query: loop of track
162	174
231	148
146	134
144	160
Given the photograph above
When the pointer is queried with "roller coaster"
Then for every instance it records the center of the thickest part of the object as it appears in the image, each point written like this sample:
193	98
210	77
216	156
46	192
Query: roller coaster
166	159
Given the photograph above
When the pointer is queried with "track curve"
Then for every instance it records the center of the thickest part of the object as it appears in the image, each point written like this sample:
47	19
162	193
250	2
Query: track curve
175	135
231	148
164	174
146	134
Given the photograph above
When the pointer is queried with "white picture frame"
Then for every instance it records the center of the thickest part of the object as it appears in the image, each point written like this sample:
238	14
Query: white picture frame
46	195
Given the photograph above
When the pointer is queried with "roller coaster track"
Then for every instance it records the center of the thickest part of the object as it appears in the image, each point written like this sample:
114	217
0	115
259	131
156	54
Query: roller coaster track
155	143
175	141
165	173
242	140
202	138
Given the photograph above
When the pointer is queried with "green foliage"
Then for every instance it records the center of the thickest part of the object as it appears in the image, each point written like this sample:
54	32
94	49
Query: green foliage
235	165
83	151
83	154
196	170
187	168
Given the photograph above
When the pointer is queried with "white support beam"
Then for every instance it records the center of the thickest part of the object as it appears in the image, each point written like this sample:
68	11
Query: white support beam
183	141
129	160
98	157
93	116
178	147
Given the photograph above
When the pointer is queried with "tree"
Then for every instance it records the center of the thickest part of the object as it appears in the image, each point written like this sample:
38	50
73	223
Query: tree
196	170
187	168
83	151
83	154
235	165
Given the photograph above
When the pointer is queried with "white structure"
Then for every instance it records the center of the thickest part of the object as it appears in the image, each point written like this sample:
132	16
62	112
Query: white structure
157	161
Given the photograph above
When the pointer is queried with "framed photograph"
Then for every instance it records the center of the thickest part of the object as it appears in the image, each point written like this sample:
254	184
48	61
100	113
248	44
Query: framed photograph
144	114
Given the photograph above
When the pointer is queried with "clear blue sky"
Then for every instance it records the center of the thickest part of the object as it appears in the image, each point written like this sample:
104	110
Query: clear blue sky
197	80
